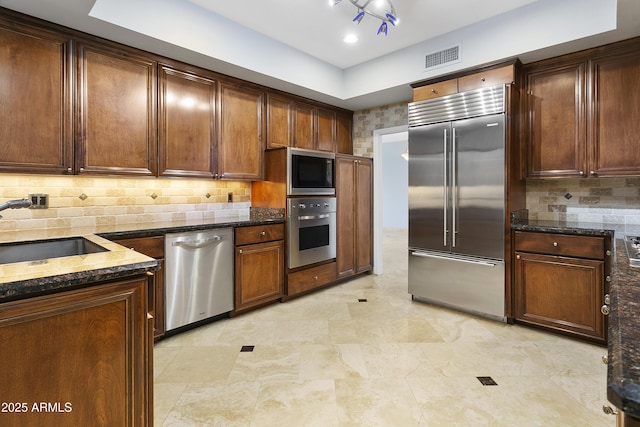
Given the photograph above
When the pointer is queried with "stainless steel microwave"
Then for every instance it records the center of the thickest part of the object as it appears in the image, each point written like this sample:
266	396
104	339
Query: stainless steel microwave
310	173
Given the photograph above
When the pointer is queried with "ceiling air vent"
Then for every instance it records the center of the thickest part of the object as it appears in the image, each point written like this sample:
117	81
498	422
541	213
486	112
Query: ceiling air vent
442	57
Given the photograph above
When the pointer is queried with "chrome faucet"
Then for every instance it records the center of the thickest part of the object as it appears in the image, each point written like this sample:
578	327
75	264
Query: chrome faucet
15	204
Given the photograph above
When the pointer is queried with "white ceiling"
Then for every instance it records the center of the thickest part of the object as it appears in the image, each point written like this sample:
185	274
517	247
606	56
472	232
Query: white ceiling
296	45
317	28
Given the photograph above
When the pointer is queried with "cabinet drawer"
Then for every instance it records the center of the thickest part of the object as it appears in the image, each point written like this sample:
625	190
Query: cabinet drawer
311	278
149	246
503	75
560	244
435	90
259	234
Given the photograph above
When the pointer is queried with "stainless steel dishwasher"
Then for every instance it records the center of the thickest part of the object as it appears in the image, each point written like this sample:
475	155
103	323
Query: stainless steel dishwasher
198	276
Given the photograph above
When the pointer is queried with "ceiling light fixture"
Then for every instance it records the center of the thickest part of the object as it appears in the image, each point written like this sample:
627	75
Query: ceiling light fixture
380	9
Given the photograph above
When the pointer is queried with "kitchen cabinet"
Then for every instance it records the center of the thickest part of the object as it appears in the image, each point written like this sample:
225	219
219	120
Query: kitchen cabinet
84	354
560	282
491	76
186	122
579	123
344	133
315	128
36	108
556	120
354	223
117	114
280	116
259	266
152	247
241	143
310	279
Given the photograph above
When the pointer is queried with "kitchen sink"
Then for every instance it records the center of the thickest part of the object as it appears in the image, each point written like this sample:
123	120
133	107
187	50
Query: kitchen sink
46	249
632	245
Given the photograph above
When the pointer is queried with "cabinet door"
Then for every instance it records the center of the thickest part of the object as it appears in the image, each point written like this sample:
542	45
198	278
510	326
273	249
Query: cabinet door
344	138
35	106
259	273
345	216
435	90
364	215
560	293
84	351
117	122
280	112
241	144
326	130
305	126
556	121
614	116
497	76
186	125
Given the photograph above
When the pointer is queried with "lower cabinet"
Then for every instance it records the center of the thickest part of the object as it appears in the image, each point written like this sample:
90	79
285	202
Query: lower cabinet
259	266
560	283
78	358
310	278
154	248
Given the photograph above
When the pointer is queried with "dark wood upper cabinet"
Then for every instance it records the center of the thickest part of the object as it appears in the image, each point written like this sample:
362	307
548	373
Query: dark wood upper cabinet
556	120
305	126
280	116
117	113
186	124
241	144
344	136
614	113
583	117
36	134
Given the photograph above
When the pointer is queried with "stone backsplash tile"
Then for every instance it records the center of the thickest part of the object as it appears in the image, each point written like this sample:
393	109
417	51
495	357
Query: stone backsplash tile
609	200
366	121
94	201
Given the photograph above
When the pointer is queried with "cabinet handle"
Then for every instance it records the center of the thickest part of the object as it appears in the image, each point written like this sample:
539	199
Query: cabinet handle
609	410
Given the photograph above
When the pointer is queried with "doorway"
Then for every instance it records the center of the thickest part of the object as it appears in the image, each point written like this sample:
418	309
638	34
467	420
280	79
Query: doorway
390	187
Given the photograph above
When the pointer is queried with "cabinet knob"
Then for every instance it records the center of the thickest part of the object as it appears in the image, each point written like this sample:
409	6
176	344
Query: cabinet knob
605	310
555	244
609	410
240	251
605	359
150	273
263	233
69	170
483	79
608	252
607	299
315	278
608	279
517	256
81	169
581	173
433	91
592	173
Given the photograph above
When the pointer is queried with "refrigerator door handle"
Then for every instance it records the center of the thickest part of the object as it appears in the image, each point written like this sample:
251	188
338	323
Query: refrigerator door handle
454	189
470	261
444	189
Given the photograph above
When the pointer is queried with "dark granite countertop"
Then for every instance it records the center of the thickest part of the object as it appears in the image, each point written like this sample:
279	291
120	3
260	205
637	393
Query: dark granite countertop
623	370
26	279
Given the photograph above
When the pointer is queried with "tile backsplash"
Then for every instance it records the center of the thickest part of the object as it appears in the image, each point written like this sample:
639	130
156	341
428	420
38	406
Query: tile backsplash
600	200
79	201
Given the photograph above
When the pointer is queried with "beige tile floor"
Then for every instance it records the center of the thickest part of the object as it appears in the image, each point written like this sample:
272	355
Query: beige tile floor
327	359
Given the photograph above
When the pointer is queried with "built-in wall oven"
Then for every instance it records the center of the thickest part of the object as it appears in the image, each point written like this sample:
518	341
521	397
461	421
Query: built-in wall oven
311	229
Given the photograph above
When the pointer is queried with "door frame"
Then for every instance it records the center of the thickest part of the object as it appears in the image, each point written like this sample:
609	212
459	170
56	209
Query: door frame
378	135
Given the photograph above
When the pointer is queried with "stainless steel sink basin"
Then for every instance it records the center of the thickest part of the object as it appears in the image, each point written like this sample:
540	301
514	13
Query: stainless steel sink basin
46	249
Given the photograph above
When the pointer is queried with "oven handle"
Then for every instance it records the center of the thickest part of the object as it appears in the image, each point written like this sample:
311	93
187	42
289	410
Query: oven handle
308	217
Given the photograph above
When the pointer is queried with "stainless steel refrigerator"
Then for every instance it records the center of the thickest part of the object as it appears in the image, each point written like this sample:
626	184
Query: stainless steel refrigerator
457	201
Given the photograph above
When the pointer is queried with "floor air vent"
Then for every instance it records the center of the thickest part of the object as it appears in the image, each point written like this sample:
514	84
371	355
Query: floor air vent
442	57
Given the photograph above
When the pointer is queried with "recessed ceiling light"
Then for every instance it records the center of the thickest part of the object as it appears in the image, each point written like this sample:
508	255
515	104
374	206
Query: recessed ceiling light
350	38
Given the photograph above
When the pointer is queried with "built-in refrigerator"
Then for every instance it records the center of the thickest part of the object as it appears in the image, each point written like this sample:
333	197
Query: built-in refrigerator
457	201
